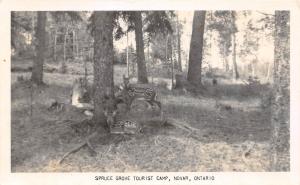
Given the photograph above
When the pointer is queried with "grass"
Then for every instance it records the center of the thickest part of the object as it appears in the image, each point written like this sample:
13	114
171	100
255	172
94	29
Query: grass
225	136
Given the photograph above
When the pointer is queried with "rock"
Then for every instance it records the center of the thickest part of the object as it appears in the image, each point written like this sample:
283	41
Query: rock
88	113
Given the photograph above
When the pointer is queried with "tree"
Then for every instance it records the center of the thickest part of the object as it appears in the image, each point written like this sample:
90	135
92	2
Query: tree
20	22
267	24
142	71
224	23
179	28
103	64
281	101
65	21
154	22
207	42
234	31
196	47
250	44
37	71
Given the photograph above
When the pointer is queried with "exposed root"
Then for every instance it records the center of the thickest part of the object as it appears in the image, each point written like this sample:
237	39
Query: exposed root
192	132
181	125
86	143
72	151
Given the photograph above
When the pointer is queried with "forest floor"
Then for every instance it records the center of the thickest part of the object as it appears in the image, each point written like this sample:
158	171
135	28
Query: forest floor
232	130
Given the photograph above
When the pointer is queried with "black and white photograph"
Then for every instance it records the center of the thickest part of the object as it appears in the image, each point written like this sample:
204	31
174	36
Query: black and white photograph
150	91
122	91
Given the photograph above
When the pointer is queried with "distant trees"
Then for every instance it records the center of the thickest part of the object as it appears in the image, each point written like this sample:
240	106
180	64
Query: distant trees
259	27
21	23
150	22
37	71
224	23
64	24
196	47
30	36
250	45
280	120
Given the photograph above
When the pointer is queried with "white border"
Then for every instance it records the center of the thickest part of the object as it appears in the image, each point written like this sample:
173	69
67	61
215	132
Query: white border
6	6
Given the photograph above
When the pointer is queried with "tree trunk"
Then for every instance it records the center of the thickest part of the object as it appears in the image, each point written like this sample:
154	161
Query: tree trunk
152	70
142	71
269	71
179	46
226	65
65	43
172	66
77	45
54	45
37	71
280	156
73	44
148	52
103	65
127	55
179	81
235	69
196	47
63	67
32	22
167	56
166	51
253	69
85	74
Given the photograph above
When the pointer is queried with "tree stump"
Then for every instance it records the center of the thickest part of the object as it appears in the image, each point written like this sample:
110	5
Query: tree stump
179	84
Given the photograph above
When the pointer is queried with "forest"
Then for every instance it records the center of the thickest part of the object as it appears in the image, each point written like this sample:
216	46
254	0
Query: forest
150	91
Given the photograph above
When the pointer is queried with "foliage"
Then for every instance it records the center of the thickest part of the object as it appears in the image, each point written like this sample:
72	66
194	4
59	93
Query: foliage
159	22
154	22
159	42
251	40
224	24
254	31
20	23
23	26
158	47
60	16
267	25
